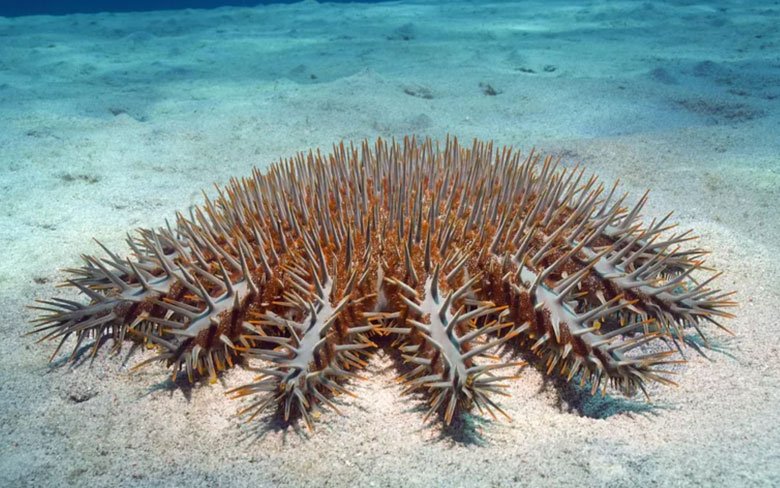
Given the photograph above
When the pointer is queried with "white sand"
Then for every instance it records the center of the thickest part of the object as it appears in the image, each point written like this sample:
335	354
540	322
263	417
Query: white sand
109	122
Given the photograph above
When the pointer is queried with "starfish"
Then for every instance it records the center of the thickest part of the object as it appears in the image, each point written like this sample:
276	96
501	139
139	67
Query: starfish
445	255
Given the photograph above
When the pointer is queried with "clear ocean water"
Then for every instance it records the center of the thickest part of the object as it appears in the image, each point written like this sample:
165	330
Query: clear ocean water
11	8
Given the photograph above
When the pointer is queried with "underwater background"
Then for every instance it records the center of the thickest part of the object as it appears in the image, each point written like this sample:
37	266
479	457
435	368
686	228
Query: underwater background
56	7
112	120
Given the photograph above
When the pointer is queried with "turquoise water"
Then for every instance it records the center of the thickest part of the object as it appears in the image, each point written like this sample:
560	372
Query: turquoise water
10	8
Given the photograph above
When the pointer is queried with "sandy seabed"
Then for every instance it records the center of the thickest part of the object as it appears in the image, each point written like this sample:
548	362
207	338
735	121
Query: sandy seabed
111	122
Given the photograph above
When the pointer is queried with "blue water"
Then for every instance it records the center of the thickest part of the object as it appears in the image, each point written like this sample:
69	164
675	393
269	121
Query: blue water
13	8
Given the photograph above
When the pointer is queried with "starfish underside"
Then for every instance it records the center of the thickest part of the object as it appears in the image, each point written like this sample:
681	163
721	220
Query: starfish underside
444	255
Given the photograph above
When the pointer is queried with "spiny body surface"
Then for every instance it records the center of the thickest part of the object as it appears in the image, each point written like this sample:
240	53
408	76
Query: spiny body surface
445	254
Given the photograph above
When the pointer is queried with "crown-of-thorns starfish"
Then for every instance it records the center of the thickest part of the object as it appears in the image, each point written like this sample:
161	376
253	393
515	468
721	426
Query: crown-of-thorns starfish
449	251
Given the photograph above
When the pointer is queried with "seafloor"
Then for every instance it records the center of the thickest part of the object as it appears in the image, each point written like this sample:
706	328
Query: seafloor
110	122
